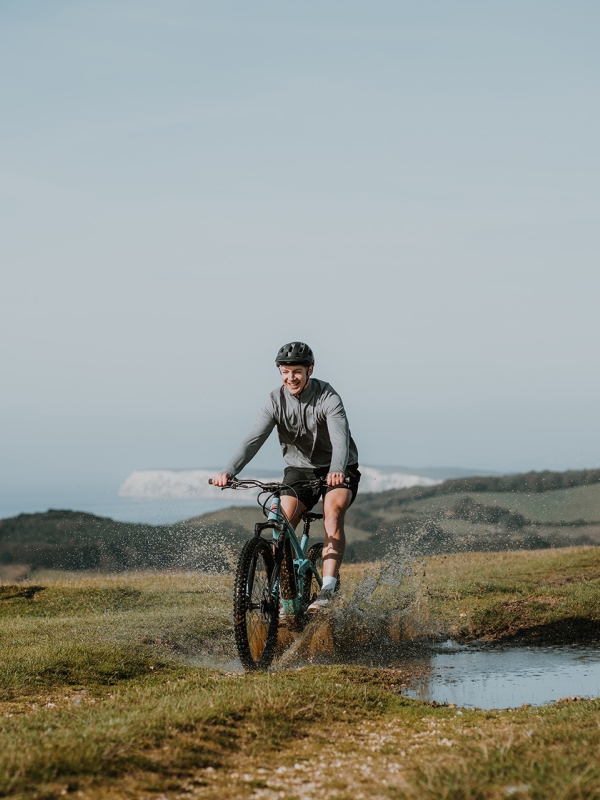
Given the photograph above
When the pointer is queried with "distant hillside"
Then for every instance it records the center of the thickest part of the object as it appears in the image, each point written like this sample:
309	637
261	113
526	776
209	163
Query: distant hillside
73	540
532	510
527	511
527	482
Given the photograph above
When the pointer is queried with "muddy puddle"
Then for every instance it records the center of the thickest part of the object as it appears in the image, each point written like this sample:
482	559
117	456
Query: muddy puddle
508	677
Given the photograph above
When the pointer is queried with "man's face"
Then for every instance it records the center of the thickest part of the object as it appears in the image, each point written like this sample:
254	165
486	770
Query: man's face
295	377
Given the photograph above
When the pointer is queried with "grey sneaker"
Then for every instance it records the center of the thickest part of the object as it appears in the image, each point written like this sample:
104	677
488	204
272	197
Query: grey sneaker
321	601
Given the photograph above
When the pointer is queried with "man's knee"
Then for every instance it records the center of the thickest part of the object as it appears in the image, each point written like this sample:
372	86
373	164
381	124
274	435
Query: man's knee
334	510
333	520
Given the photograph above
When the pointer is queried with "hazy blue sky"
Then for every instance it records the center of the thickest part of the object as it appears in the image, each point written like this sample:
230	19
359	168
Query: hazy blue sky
412	188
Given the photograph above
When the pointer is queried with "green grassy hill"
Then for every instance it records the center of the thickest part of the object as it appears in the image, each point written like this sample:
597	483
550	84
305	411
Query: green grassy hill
528	511
563	505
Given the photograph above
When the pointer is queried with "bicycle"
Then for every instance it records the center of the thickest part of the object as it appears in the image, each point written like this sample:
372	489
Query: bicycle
283	570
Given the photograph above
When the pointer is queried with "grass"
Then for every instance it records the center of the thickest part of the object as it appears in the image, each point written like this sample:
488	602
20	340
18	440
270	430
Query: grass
542	594
107	692
91	628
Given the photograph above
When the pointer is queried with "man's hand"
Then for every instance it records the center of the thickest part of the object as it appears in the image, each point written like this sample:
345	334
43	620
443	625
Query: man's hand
335	479
221	479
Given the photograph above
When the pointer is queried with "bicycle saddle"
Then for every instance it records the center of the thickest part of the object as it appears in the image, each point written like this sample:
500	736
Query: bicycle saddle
308	516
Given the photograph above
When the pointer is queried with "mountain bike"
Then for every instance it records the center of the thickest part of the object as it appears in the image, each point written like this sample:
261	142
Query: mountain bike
281	575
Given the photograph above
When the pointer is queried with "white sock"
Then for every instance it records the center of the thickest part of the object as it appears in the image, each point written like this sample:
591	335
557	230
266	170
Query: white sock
329	584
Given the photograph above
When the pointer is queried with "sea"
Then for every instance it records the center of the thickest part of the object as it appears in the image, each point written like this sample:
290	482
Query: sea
105	502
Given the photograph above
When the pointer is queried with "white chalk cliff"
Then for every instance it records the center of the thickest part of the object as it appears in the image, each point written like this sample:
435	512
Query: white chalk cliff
167	484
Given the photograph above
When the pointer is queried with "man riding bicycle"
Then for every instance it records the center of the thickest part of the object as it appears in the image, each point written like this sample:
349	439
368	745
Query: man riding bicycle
316	443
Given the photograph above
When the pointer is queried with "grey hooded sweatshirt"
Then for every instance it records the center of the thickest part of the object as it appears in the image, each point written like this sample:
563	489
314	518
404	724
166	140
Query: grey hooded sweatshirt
313	430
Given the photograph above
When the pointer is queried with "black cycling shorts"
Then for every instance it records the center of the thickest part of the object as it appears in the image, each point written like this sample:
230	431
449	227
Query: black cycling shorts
298	479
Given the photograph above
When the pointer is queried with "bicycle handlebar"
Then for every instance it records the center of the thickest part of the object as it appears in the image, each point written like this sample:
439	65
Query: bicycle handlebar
250	483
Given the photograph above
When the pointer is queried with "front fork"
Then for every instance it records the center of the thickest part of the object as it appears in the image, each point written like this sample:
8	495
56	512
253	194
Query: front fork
290	576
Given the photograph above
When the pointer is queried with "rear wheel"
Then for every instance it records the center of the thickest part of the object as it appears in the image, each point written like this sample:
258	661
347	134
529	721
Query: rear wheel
311	585
255	615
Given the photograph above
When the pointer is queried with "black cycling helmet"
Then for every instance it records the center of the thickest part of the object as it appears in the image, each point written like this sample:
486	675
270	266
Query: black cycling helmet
295	353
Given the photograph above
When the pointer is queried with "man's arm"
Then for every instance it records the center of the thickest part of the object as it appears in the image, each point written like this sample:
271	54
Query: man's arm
339	434
259	434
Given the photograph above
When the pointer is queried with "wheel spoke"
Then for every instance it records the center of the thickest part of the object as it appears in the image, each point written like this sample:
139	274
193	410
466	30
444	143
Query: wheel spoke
257	621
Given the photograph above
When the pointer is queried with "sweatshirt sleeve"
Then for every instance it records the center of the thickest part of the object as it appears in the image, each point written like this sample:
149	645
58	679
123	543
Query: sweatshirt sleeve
339	432
261	430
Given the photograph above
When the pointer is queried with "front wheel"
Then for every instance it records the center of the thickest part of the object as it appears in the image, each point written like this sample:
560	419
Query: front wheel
255	615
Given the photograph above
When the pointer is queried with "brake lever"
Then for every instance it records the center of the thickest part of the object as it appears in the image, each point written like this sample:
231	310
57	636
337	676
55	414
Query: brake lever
322	482
231	484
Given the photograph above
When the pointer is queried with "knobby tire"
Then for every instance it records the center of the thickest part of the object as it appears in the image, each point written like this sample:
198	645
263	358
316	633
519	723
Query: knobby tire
255	627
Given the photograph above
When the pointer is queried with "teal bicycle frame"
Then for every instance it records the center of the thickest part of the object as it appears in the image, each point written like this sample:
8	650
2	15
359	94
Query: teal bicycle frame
303	567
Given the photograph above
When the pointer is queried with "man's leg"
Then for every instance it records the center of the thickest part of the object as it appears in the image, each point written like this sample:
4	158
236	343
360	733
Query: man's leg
335	504
293	509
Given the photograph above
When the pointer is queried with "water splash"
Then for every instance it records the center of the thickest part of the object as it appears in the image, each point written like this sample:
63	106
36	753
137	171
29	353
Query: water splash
382	610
